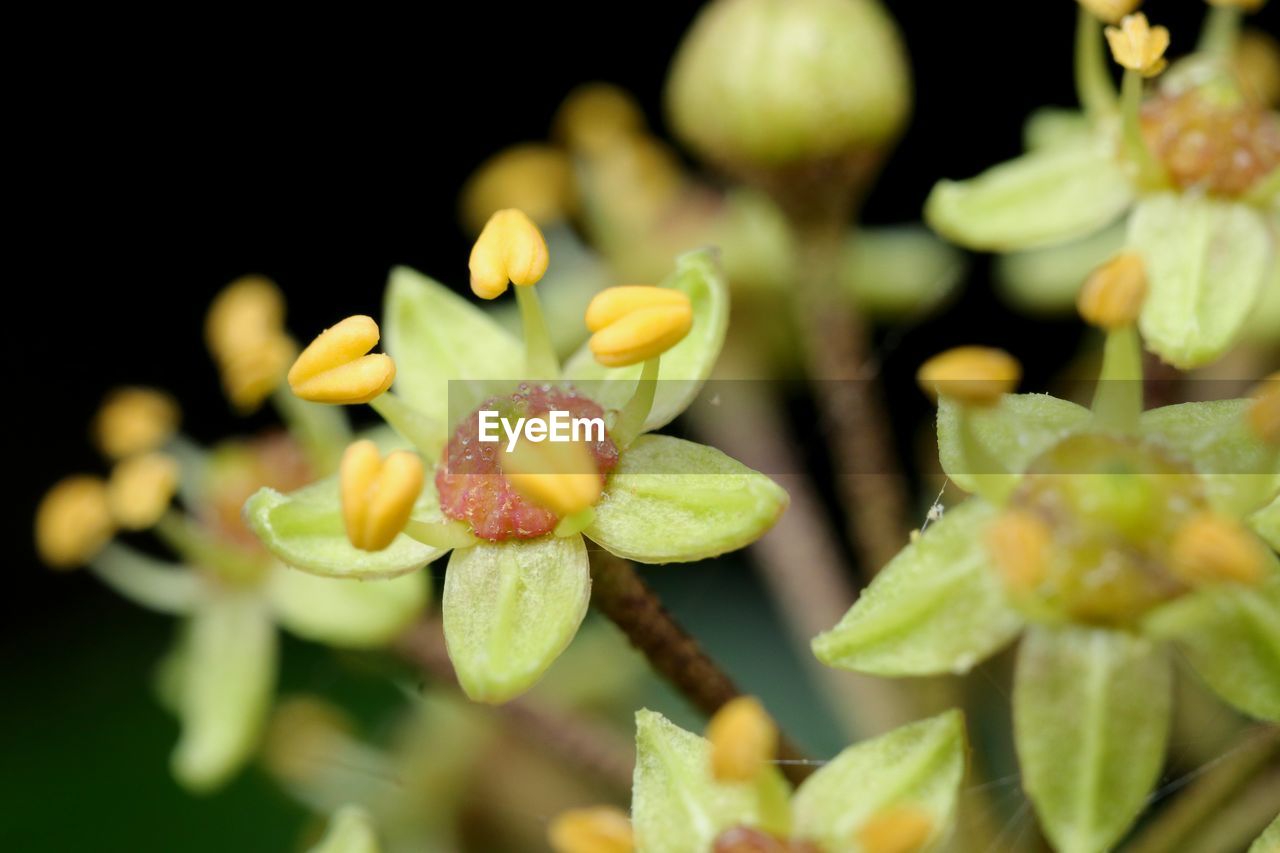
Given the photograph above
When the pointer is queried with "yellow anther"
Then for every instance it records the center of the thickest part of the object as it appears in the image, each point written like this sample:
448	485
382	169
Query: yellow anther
141	488
1264	414
134	420
744	739
334	368
303	738
635	323
509	249
537	179
979	376
595	117
1110	11
558	475
1138	46
1257	64
244	330
1209	548
378	494
598	829
904	829
1113	294
1018	542
73	522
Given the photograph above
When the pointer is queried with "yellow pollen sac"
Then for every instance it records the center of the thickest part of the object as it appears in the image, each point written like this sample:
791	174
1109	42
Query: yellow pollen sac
537	179
334	368
596	117
73	522
598	829
635	323
1018	542
244	330
377	495
1110	11
1209	548
904	829
141	488
1264	414
1138	46
509	249
134	420
252	373
1113	294
558	475
979	376
744	739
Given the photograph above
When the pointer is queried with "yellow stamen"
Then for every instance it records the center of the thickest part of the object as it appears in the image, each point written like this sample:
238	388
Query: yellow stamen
378	495
1211	549
73	522
134	420
250	375
1264	414
596	117
537	179
244	330
636	323
979	376
509	249
334	368
1110	11
904	829
141	488
598	829
1138	46
1018	542
558	475
744	739
1113	294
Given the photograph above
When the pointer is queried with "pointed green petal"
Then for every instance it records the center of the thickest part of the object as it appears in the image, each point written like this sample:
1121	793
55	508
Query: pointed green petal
1014	431
672	500
304	529
1055	127
510	609
347	613
436	336
155	584
350	831
899	271
919	765
228	675
1266	523
1240	472
1047	281
1041	198
1091	713
938	607
676	806
1206	261
686	365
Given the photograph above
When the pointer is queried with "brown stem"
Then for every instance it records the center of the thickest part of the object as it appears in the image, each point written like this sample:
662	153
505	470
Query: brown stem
577	740
619	593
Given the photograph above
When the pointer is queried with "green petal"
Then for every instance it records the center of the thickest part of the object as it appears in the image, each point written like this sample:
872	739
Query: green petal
344	612
686	365
673	501
1263	326
938	606
1055	127
510	609
1091	717
436	336
350	831
1240	472
1014	431
677	807
899	271
229	673
918	765
1266	523
304	529
1044	197
1269	840
1047	281
155	584
1206	260
1231	636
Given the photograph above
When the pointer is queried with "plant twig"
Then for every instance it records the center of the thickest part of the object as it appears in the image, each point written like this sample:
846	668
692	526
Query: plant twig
619	593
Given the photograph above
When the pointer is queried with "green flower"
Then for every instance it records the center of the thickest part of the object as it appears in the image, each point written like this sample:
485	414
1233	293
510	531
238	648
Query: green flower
1105	538
518	580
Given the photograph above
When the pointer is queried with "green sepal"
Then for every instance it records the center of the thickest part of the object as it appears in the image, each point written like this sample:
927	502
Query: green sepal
899	271
1206	260
1266	523
1240	472
686	365
345	612
1091	711
676	805
227	677
1041	198
510	609
671	500
304	529
937	607
436	336
350	831
1047	281
919	766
